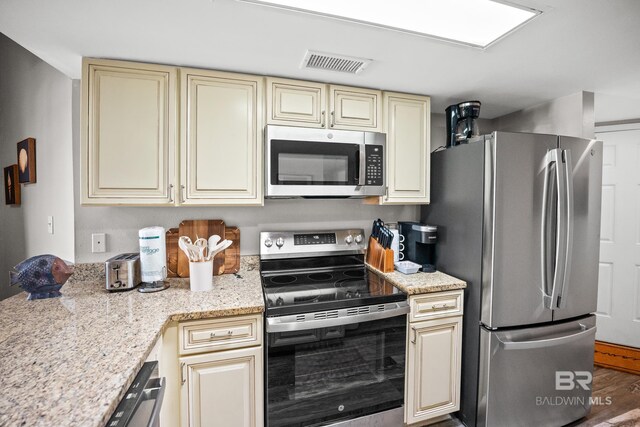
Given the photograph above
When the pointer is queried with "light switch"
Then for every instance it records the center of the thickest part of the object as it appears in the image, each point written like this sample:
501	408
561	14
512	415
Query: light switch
50	224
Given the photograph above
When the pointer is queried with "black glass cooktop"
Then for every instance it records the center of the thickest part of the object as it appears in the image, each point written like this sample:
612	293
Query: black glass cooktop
319	289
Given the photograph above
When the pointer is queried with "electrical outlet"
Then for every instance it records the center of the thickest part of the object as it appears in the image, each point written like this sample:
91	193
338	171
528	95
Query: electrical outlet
98	242
50	224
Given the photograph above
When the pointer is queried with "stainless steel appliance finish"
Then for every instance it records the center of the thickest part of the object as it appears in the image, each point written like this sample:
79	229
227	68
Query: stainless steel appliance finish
335	332
143	400
122	272
299	244
519	220
305	162
525	362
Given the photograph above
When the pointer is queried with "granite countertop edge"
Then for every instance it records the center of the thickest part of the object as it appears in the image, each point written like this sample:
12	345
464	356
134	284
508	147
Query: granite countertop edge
421	283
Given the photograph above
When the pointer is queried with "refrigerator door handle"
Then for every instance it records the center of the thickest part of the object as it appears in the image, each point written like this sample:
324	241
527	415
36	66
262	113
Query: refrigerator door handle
549	160
550	299
561	229
549	342
568	230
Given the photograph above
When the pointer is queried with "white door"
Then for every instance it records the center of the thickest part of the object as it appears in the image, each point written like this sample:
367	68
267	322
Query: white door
619	276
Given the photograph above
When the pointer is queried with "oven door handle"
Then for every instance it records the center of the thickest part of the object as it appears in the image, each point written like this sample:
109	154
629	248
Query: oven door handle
290	323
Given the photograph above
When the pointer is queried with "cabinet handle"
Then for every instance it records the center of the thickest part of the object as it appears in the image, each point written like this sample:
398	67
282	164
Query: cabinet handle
212	335
413	339
170	193
333	118
183	191
322	120
183	375
441	307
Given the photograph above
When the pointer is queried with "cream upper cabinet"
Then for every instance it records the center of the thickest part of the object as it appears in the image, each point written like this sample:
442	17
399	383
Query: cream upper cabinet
221	138
128	133
407	124
296	103
355	108
300	103
223	389
434	350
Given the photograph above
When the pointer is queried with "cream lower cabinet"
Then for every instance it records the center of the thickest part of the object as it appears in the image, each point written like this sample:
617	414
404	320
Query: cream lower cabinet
221	138
300	103
221	372
433	356
223	389
407	124
128	133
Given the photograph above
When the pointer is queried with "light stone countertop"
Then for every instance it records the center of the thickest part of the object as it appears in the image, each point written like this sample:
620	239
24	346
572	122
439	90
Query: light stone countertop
68	361
421	283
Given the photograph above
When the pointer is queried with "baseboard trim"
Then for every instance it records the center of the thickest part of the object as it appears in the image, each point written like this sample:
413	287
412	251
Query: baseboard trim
617	357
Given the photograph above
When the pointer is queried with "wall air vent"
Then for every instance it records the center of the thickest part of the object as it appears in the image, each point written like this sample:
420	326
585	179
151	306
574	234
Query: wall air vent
333	62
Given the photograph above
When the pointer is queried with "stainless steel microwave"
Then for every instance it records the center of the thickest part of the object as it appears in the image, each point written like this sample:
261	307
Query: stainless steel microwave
307	162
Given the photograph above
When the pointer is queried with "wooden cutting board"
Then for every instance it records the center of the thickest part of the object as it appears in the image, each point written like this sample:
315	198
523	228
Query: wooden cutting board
172	251
232	253
201	228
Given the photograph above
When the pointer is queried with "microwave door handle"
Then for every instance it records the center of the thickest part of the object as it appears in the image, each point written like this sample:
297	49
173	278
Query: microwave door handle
362	164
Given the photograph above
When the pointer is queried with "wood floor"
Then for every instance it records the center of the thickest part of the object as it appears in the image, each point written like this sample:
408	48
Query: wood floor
622	388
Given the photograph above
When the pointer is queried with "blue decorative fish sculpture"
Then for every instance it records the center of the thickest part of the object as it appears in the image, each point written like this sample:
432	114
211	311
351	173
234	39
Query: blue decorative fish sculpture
42	276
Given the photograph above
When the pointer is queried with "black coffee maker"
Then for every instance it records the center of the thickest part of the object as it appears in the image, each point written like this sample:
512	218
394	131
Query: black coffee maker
419	244
462	122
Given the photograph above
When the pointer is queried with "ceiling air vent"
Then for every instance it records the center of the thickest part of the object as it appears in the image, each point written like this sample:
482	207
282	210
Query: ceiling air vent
333	62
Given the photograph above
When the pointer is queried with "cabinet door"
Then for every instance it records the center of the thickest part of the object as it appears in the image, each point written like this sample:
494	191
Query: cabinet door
433	370
407	123
296	103
223	389
221	138
128	133
355	108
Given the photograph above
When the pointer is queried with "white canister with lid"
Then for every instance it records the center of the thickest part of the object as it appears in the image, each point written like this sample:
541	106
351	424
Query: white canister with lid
153	254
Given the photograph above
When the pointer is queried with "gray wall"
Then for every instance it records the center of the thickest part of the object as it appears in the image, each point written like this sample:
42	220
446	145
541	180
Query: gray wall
571	115
121	224
35	101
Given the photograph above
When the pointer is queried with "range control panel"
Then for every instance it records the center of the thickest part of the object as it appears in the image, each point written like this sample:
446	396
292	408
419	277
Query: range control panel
374	165
287	244
314	239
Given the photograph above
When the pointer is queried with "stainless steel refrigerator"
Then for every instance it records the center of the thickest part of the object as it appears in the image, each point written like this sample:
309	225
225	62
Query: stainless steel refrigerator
518	218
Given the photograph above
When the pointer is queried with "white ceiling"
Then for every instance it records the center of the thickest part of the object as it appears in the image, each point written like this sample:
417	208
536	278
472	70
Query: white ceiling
574	45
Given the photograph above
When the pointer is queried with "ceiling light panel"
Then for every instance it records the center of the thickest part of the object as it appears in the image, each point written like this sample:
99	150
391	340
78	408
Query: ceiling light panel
474	22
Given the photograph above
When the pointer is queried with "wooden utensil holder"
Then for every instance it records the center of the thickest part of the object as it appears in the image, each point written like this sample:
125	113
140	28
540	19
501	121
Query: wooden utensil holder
379	257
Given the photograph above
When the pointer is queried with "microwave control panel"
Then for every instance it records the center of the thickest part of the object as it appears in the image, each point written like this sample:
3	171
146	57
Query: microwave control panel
374	161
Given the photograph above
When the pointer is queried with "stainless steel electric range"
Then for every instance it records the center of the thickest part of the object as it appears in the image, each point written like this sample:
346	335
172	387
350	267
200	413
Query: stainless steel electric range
335	333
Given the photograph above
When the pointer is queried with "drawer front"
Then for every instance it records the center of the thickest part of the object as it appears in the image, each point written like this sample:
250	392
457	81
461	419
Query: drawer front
436	305
220	334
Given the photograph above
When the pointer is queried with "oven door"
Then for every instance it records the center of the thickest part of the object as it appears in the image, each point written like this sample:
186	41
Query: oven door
338	372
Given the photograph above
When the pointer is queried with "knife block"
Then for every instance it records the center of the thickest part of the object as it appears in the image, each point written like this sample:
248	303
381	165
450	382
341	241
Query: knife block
379	257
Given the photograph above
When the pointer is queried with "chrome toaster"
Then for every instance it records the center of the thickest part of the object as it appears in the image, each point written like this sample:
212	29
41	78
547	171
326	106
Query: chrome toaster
123	272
